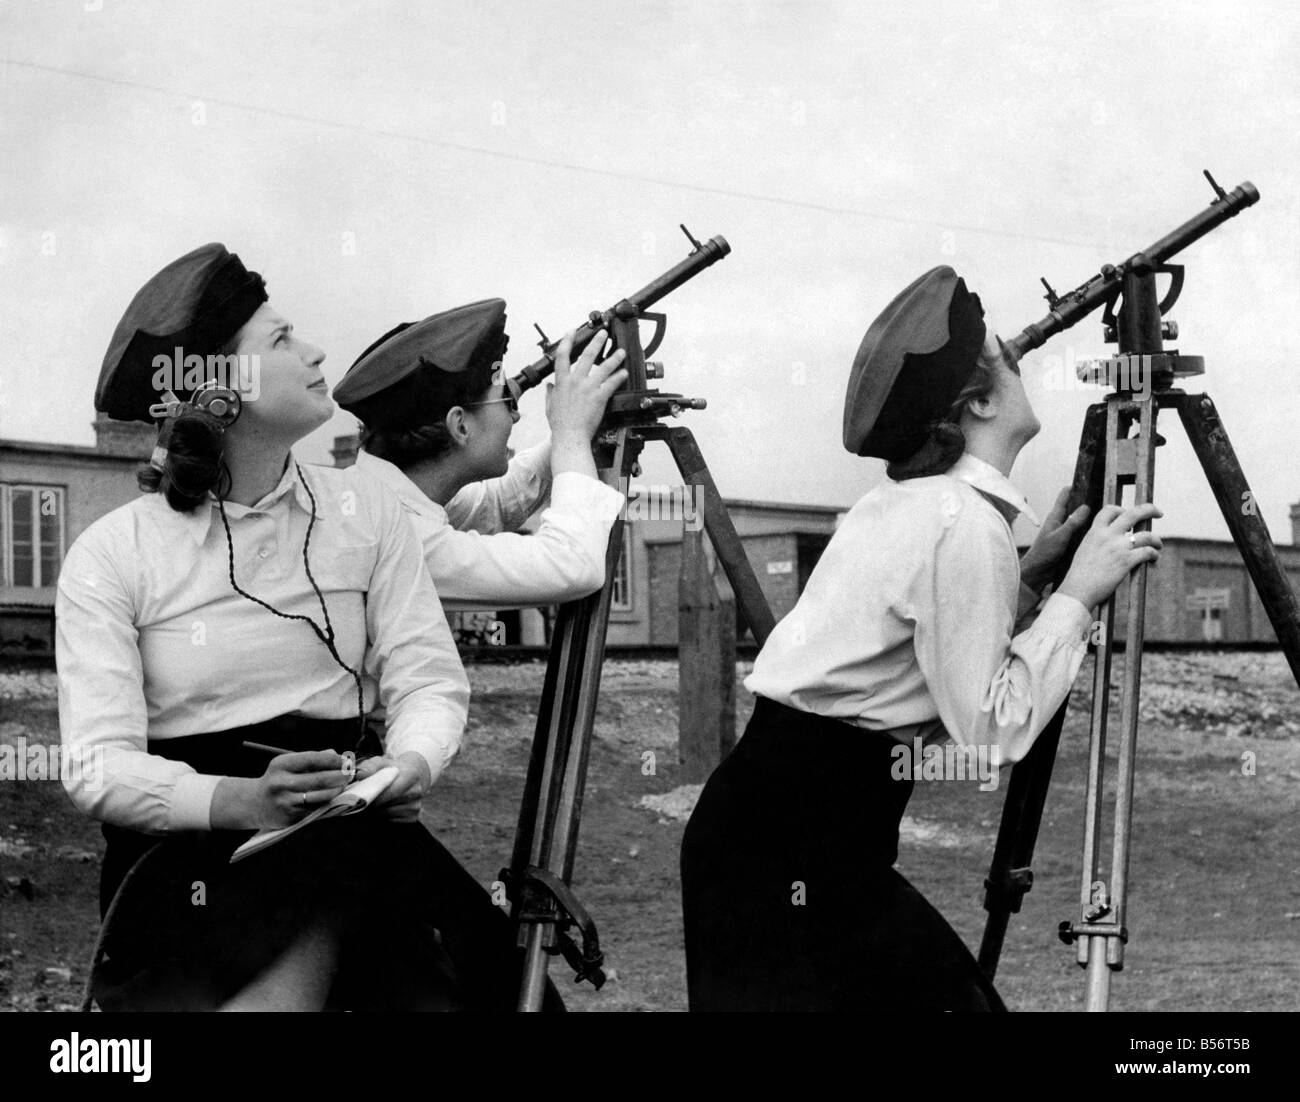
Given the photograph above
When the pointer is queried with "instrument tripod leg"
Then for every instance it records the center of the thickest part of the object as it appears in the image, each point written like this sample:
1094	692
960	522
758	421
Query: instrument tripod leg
1218	460
1010	875
551	809
543	907
1101	932
722	533
1101	935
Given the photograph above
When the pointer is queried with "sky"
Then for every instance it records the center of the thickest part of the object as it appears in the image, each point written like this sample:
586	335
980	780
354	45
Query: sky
381	162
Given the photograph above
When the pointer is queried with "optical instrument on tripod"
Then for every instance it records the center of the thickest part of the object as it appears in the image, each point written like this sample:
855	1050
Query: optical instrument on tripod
543	906
1142	374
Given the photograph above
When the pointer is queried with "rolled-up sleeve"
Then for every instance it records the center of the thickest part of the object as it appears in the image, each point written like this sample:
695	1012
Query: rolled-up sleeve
990	688
103	722
563	560
422	684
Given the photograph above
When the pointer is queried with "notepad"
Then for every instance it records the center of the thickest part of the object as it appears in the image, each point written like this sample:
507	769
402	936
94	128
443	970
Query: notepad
358	796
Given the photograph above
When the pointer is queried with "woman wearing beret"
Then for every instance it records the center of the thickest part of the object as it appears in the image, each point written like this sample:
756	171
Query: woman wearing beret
437	416
915	623
249	599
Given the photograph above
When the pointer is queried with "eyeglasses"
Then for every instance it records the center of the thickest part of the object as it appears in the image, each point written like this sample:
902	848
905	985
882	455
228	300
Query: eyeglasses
1013	364
508	395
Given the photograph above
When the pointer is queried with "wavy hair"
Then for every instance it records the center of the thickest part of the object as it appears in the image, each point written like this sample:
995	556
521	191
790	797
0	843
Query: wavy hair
195	465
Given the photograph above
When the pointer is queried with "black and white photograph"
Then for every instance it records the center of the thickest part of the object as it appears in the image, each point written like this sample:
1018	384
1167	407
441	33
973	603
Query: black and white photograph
761	506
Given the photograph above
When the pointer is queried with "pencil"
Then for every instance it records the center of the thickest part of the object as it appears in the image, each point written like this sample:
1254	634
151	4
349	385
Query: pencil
349	758
265	749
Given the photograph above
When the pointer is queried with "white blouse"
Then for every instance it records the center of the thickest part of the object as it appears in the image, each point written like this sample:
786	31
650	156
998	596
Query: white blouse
501	504
153	643
497	568
907	622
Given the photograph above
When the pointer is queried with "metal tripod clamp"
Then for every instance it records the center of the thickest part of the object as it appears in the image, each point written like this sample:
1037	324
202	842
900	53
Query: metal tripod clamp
1008	890
1069	932
545	898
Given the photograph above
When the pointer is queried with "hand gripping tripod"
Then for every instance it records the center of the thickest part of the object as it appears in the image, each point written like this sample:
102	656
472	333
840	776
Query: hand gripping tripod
544	908
1110	458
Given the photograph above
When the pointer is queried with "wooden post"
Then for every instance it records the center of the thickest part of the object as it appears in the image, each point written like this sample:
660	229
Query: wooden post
727	660
706	653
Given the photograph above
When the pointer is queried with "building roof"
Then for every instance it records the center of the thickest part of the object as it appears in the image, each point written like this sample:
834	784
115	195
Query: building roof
782	506
66	451
1198	541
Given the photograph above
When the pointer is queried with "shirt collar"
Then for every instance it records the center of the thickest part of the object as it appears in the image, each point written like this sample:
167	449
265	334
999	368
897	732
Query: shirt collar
393	477
989	480
200	521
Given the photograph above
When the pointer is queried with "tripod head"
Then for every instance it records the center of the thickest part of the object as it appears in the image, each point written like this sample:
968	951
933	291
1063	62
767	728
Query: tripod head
635	306
1138	326
634	404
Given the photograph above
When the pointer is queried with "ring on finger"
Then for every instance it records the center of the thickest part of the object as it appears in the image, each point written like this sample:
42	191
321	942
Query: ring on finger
302	798
1132	538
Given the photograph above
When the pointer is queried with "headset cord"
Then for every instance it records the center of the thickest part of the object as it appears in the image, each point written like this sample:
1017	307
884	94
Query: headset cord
326	636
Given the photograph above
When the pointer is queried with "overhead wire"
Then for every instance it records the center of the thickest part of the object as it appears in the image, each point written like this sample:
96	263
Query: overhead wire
548	162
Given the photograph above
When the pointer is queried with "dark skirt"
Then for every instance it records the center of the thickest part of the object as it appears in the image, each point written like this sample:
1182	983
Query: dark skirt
415	930
788	895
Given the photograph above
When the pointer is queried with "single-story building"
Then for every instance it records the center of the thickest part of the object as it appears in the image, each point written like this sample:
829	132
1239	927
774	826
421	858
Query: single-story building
49	494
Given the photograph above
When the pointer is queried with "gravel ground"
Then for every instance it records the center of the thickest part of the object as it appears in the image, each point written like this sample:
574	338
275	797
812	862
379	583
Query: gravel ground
1215	909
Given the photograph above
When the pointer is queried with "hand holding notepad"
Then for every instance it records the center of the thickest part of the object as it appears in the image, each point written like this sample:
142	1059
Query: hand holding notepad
357	796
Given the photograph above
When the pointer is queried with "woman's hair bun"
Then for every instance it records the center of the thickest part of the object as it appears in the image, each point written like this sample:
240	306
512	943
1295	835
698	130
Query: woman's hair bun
944	440
942	447
194	467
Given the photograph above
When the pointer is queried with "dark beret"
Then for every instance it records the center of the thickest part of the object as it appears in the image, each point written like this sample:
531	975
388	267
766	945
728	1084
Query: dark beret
399	379
911	365
196	304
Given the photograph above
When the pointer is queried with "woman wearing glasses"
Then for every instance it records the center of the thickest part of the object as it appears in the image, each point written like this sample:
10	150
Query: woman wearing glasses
437	416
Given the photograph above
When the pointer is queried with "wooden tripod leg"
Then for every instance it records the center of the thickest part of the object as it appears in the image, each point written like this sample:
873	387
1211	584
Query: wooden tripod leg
722	533
1101	931
1010	876
551	809
539	760
1219	462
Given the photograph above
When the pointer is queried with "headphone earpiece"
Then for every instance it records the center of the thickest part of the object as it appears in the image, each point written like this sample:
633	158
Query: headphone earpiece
219	402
